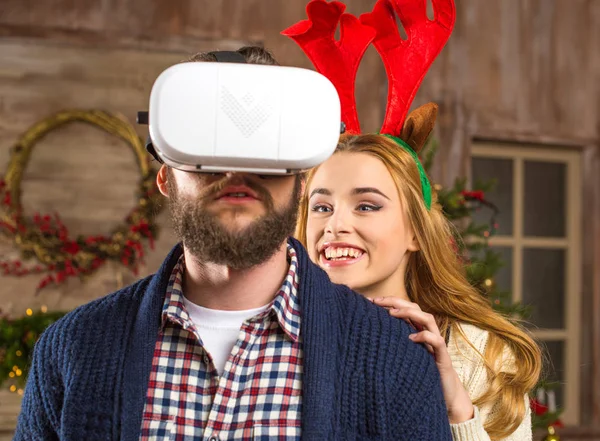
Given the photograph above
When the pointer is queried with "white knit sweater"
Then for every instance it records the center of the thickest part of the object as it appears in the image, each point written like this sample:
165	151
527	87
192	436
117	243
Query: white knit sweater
473	375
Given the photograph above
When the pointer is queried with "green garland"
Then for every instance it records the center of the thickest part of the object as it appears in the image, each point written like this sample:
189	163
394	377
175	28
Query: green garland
17	339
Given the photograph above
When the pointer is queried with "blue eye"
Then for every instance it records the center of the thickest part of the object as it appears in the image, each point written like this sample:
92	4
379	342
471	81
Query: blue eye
320	209
369	207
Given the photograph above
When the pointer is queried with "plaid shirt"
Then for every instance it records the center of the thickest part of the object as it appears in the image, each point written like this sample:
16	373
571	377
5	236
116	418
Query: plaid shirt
259	395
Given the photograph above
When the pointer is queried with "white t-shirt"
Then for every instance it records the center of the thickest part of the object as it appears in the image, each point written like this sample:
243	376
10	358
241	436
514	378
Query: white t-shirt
219	330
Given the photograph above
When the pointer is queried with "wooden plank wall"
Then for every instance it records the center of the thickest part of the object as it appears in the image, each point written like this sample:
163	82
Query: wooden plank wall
514	70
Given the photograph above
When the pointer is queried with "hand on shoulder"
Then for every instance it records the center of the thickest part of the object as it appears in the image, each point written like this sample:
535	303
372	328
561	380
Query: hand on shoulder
458	402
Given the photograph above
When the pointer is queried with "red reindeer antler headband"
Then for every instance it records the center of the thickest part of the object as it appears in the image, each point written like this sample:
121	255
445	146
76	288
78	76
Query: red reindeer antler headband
405	61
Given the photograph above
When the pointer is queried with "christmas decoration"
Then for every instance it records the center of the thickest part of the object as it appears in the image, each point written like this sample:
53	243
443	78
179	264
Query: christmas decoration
45	238
552	435
482	263
17	339
543	407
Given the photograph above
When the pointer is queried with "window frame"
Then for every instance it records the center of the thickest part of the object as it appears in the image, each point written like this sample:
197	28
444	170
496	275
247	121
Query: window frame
572	244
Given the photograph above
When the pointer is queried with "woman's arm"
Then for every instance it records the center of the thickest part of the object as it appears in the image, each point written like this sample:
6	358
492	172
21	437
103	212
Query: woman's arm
473	430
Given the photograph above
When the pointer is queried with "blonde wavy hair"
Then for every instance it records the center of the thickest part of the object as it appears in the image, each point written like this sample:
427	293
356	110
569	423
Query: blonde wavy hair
435	280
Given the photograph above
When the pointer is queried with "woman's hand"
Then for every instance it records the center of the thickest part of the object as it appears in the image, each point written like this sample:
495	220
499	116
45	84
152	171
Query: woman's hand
460	408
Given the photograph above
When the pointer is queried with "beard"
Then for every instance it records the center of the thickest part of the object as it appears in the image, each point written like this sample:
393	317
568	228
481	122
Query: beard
207	240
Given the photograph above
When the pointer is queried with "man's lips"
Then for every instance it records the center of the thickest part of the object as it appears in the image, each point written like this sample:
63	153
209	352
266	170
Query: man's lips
237	193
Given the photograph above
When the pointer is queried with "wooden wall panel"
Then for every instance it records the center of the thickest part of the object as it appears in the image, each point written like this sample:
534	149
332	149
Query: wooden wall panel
515	70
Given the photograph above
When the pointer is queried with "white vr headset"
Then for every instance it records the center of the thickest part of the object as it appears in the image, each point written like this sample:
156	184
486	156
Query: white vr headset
228	116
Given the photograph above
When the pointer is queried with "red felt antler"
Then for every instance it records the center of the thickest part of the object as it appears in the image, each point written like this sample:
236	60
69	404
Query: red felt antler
407	61
337	60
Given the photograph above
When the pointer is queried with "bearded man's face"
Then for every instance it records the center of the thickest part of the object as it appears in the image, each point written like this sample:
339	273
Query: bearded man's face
234	219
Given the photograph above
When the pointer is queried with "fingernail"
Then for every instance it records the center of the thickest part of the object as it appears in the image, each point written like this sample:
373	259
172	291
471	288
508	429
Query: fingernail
412	336
370	299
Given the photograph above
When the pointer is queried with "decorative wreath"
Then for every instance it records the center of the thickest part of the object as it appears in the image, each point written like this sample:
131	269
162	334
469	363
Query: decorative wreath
45	237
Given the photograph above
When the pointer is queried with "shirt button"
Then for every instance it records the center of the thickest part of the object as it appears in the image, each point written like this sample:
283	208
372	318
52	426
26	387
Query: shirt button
206	361
213	438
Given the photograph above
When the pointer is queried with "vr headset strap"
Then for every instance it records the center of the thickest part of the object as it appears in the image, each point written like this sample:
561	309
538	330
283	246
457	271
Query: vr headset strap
228	57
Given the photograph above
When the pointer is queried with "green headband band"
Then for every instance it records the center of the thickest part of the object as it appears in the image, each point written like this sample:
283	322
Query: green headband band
425	184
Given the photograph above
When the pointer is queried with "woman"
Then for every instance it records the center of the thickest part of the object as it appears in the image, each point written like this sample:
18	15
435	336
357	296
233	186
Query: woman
370	219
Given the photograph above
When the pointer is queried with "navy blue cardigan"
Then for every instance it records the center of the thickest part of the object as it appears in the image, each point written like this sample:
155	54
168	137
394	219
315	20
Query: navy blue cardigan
363	378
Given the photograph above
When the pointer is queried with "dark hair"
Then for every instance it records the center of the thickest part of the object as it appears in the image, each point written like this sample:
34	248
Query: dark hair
252	54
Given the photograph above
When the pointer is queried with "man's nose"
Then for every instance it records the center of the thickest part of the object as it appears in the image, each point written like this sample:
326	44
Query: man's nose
237	178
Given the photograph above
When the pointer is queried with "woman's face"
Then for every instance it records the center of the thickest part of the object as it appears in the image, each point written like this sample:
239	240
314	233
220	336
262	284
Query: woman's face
357	229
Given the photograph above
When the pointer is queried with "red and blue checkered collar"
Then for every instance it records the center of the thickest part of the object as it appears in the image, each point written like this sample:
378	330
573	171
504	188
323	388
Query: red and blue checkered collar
284	306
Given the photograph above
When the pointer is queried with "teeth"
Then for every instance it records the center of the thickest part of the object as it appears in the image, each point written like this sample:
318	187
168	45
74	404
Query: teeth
237	195
336	253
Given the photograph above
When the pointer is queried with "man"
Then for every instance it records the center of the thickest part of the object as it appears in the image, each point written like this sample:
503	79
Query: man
238	336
